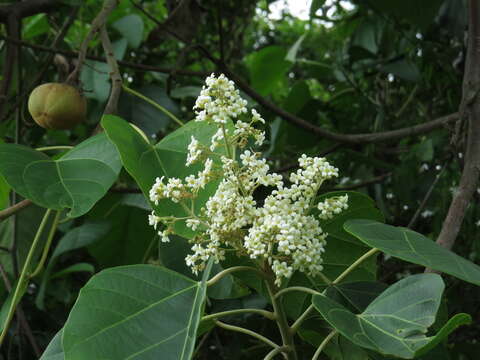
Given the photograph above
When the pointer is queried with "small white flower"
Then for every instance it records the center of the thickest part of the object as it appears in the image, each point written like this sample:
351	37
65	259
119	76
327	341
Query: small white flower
194	151
427	213
153	220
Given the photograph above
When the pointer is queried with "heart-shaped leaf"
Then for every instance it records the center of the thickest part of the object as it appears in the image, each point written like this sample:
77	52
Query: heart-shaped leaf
139	311
396	322
77	180
411	246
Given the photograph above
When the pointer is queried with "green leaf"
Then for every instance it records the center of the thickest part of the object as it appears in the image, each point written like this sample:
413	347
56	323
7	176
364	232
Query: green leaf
34	26
424	151
119	48
367	35
355	296
79	267
403	69
4	193
147	117
411	246
131	27
129	234
13	161
292	52
267	68
138	311
185	92
340	348
342	248
54	350
77	180
96	81
146	162
396	322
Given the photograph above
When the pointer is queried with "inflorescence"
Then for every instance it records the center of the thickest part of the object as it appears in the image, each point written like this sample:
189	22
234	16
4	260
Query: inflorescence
284	230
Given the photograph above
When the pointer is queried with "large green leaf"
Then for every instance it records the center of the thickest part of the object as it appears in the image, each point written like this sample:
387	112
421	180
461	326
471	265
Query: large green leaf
146	162
131	27
77	180
146	116
268	67
129	234
13	161
396	322
135	312
411	246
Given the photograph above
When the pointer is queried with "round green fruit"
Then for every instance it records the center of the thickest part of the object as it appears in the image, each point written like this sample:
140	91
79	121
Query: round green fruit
57	106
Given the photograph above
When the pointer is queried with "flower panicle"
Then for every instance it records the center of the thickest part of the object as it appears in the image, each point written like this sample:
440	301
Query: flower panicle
283	230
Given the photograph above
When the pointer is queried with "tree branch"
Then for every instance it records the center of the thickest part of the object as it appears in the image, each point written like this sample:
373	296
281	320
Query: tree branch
142	67
28	8
97	24
11	57
14	209
321	132
115	76
470	108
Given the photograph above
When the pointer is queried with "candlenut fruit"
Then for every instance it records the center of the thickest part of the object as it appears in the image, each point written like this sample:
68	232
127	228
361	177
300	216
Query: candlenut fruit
57	106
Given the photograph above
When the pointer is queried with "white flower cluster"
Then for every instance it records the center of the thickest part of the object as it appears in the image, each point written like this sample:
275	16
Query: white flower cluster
219	101
332	206
283	232
176	190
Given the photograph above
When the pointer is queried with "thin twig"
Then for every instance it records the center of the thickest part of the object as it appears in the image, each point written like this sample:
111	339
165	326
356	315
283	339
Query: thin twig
321	132
28	8
154	104
11	57
136	66
324	344
14	209
375	180
425	199
277	351
46	247
21	315
267	314
247	332
97	23
23	280
233	269
115	76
